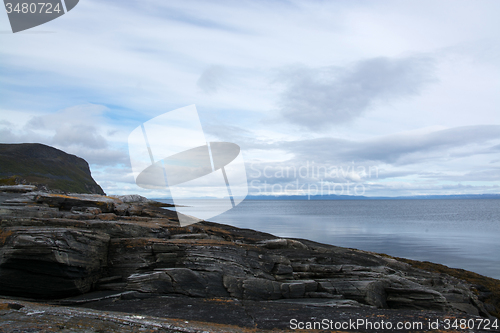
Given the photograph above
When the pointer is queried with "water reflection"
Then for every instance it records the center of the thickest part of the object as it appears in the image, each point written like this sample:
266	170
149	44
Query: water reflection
457	233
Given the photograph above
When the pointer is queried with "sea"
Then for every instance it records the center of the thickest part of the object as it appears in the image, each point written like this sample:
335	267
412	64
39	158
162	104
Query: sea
459	233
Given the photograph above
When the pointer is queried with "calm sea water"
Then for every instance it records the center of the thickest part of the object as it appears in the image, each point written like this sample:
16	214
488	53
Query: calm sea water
457	233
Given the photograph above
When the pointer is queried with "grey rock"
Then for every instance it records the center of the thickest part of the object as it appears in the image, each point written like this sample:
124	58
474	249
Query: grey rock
164	247
132	198
282	269
190	236
67	202
293	290
154	282
415	298
282	243
134	209
17	188
135	247
187	282
51	262
319	294
259	289
166	257
120	209
233	285
86	210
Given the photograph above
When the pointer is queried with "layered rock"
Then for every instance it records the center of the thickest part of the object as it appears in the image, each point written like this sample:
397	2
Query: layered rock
51	261
78	243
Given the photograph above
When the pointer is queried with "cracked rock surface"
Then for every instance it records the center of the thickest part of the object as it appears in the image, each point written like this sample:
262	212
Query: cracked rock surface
127	249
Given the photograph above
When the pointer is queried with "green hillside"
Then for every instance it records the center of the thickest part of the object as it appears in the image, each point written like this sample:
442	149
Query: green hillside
34	163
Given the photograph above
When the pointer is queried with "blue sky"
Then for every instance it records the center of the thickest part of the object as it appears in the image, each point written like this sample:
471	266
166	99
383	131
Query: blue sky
409	89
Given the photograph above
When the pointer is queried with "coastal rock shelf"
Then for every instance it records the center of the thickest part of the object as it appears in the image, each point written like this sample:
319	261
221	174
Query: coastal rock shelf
56	246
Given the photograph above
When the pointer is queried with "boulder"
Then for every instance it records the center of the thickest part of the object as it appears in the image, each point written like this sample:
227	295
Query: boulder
91	241
72	201
259	289
415	298
154	282
132	198
187	282
49	262
17	188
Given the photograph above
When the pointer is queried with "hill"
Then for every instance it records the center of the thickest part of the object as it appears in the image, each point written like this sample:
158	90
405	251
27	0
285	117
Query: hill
38	164
361	197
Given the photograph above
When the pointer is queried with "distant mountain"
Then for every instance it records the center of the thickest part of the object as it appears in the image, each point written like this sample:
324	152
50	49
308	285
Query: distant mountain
35	163
353	197
360	197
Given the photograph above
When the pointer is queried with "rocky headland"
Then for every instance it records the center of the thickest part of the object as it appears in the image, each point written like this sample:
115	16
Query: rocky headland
45	167
75	260
90	262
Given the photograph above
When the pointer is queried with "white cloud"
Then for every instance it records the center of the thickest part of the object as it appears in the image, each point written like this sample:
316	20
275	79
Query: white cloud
122	63
211	79
319	98
78	130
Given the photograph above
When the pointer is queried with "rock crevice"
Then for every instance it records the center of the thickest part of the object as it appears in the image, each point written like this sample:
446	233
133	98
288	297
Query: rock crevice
55	246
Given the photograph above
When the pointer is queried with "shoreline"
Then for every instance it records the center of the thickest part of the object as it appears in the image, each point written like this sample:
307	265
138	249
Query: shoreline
149	258
456	233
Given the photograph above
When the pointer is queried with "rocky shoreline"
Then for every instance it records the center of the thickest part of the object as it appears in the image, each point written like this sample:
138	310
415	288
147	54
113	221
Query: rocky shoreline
128	254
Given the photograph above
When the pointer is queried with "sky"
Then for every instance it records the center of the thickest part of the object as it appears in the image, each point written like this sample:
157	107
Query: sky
374	98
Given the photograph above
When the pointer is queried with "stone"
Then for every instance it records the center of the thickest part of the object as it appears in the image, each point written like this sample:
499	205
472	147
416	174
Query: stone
164	247
376	295
319	294
190	236
62	261
134	210
154	282
282	269
326	286
17	188
282	243
258	289
69	244
293	290
166	257
279	243
68	202
415	298
187	282
233	285
86	210
107	217
120	209
132	198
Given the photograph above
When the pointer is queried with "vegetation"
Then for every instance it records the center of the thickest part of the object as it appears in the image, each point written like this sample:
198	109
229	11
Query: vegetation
38	164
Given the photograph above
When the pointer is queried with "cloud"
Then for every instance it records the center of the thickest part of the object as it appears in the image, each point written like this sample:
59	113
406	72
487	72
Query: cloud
486	175
404	148
229	133
317	98
78	126
211	79
168	59
100	157
77	130
407	163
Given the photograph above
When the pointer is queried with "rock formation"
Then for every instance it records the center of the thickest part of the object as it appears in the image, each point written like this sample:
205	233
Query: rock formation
56	246
46	167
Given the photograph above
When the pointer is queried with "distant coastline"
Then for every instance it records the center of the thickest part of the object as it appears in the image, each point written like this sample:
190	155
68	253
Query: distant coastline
359	197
